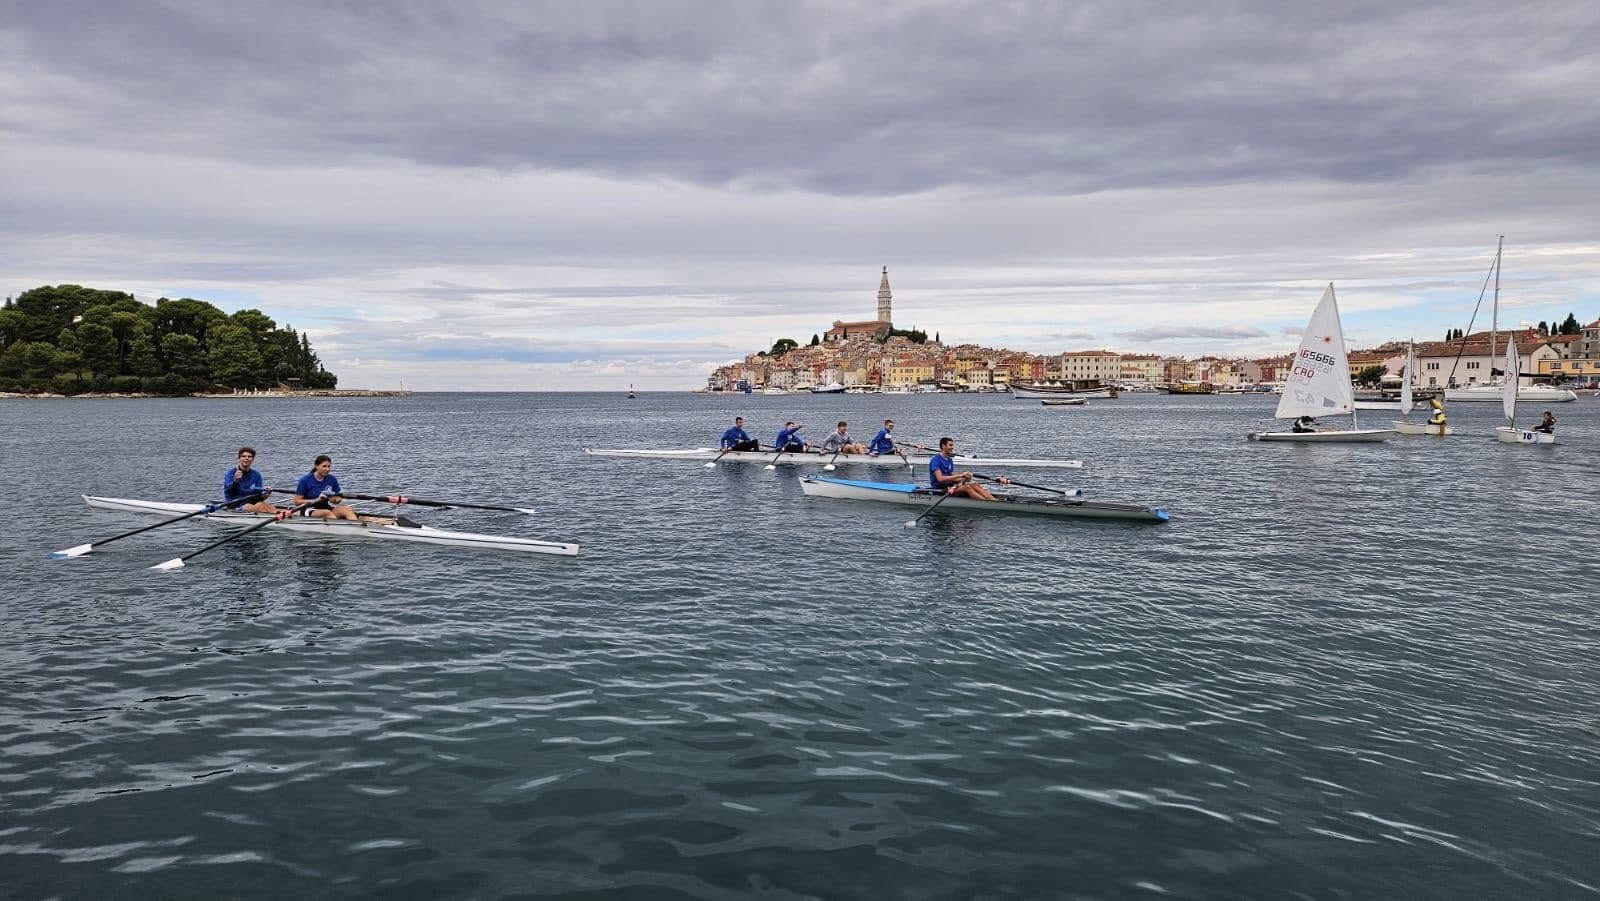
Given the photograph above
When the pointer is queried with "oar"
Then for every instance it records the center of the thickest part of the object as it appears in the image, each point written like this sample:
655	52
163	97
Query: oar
912	524
1064	492
419	502
713	463
82	549
830	467
280	516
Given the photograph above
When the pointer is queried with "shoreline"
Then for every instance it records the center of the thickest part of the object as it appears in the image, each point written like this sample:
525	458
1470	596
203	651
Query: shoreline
268	395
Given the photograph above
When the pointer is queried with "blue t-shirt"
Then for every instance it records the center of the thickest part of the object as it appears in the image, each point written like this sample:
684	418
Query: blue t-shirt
732	436
882	443
787	437
940	463
310	487
250	484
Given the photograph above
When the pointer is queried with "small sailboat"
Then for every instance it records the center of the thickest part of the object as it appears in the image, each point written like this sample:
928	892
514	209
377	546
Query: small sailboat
630	391
1509	433
1408	403
1319	383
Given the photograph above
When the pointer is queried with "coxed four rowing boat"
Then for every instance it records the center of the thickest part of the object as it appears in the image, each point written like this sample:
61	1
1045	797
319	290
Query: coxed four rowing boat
381	527
918	496
707	454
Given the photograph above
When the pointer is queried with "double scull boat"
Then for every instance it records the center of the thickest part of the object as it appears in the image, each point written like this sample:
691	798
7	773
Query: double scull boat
918	496
394	528
707	454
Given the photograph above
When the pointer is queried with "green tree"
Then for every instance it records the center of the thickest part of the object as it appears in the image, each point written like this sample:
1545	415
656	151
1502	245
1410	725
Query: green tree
28	359
184	359
142	358
815	340
98	345
12	326
1570	326
232	358
783	346
1371	375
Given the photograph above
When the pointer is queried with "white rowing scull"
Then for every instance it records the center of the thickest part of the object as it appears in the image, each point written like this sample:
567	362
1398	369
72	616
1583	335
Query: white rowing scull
368	526
700	454
918	496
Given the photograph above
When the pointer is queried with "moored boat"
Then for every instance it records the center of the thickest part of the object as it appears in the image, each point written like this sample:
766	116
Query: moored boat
1041	391
916	496
708	454
1065	402
393	528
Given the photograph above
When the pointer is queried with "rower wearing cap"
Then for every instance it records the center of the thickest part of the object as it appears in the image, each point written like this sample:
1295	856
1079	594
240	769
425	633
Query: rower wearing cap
736	439
243	480
321	488
788	439
943	477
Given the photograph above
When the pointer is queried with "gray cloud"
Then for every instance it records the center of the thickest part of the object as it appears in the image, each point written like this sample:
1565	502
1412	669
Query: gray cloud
1168	333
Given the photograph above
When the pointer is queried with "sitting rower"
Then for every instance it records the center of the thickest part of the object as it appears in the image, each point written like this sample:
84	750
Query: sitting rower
789	440
1438	417
320	486
1304	424
1546	425
735	439
838	442
244	481
883	442
942	475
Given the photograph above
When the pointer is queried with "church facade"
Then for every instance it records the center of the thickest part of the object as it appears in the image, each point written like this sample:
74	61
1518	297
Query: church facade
875	329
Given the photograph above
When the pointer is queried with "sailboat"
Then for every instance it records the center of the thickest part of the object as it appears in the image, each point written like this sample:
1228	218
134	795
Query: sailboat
1319	382
1509	433
1408	403
1489	391
630	391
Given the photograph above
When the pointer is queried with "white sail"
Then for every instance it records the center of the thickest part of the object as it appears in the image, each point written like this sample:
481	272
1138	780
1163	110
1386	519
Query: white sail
1319	380
1410	372
1508	393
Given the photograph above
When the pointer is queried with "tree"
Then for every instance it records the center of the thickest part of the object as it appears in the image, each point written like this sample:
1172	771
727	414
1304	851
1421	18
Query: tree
815	340
232	358
1544	329
783	346
98	345
12	324
184	359
142	358
1570	326
1371	375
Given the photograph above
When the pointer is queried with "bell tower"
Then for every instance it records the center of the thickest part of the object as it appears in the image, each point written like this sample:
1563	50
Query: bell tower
885	298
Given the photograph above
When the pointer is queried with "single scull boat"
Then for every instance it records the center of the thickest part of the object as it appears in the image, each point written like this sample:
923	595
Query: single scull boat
918	496
915	459
368	526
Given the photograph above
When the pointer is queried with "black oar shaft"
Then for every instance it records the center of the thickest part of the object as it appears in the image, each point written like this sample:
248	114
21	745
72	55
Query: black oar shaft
208	508
280	516
419	502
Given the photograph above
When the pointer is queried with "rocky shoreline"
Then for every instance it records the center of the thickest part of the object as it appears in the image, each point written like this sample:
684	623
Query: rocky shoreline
330	392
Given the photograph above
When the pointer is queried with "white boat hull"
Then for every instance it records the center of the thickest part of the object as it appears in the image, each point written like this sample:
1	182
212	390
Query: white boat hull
708	454
375	527
1508	435
1422	428
1065	402
1026	392
913	496
1332	436
1493	394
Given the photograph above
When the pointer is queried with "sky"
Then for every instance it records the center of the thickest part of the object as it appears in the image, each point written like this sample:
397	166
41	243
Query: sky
565	196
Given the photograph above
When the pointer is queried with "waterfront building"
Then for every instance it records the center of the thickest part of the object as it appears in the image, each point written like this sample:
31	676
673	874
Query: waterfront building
1141	369
1102	366
1472	362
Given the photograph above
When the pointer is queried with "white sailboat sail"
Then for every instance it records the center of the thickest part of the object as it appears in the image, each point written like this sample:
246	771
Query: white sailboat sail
1410	372
1508	394
1319	380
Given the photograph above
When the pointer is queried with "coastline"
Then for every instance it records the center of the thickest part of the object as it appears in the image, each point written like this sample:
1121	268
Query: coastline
106	395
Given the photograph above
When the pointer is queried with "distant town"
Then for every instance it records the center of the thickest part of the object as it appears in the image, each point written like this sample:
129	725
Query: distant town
872	356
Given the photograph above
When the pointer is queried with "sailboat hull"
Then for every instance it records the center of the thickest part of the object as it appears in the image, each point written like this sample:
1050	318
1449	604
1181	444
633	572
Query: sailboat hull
1421	428
1332	436
1508	435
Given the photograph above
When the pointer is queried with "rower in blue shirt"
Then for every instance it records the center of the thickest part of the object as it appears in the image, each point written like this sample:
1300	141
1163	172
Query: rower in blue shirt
883	442
942	475
243	480
735	439
319	485
789	440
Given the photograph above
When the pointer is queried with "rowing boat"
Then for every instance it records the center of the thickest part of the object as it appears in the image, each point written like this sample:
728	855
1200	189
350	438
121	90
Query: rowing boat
917	496
915	459
381	527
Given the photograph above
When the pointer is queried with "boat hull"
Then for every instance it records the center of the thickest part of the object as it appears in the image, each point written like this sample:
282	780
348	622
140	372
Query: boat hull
1508	435
1337	436
708	454
379	528
1421	428
1494	394
913	496
1037	392
1065	402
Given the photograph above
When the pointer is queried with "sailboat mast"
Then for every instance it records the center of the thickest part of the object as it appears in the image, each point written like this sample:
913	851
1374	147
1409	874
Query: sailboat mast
1494	321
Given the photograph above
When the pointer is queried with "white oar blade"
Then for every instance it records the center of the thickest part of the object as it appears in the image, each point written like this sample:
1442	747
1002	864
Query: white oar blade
711	465
526	511
174	563
771	466
911	524
71	552
829	468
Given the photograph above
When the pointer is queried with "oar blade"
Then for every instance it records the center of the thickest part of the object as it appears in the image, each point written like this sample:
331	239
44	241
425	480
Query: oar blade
526	511
174	563
711	464
71	552
771	466
911	524
829	468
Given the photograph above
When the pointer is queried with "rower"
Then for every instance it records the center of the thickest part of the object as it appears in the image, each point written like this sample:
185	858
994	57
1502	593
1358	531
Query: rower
736	439
942	475
1304	424
244	481
883	442
1546	425
838	442
320	488
789	440
1438	417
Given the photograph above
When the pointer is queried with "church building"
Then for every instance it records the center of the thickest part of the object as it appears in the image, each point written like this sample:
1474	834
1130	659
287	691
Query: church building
877	329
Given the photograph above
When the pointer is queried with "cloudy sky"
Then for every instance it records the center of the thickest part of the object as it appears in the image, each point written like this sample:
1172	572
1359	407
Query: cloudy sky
535	196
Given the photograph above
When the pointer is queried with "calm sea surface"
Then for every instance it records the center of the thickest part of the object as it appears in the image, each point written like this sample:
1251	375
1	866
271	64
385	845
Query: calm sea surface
1340	672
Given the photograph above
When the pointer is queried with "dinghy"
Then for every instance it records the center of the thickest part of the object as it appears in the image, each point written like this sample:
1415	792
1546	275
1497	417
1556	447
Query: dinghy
1319	383
1509	433
1407	403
